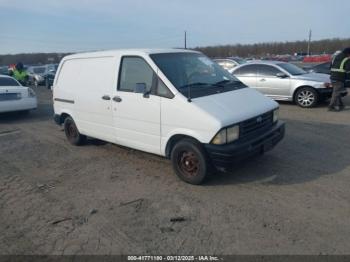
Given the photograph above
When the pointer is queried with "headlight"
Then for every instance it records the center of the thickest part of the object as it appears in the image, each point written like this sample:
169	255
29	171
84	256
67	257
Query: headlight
232	133
275	115
31	92
226	135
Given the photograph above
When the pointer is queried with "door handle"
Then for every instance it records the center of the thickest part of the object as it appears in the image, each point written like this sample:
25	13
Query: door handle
106	97
117	99
262	80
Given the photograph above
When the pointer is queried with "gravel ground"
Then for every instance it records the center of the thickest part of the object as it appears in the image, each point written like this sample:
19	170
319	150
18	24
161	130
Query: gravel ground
104	199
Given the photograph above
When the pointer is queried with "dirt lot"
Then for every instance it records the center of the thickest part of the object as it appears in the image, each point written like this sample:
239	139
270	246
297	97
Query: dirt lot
104	199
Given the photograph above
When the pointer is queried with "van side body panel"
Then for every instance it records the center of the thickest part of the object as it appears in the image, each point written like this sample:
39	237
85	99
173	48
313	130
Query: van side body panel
84	82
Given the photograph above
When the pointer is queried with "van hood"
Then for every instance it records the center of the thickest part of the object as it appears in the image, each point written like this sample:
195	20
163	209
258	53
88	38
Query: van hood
314	77
235	106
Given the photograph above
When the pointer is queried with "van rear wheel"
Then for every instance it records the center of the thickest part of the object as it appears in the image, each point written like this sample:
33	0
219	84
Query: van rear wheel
190	162
72	132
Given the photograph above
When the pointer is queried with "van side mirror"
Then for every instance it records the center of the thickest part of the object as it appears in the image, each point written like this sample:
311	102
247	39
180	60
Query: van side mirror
281	75
141	88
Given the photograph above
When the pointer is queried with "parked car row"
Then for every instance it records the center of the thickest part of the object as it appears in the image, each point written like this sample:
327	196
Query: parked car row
42	75
175	103
38	75
285	82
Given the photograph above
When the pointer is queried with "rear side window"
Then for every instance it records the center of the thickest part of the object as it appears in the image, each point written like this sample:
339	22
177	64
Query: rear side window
7	81
267	70
135	70
247	70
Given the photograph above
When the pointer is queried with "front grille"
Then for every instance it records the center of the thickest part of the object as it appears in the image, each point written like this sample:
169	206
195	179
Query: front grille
256	124
10	96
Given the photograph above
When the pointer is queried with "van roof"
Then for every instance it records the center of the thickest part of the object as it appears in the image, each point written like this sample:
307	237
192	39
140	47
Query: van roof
128	52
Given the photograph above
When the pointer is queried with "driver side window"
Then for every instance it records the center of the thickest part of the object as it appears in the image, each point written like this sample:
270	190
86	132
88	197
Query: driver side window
135	70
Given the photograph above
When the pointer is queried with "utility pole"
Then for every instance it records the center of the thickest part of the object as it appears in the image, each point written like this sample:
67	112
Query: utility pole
309	43
185	40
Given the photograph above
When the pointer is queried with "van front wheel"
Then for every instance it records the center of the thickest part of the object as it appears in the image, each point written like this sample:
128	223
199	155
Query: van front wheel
72	132
189	162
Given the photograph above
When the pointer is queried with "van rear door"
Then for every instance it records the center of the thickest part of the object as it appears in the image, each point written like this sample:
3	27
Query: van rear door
136	111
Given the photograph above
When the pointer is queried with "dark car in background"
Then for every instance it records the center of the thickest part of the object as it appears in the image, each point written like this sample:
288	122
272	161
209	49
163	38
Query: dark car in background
324	68
50	77
42	75
4	70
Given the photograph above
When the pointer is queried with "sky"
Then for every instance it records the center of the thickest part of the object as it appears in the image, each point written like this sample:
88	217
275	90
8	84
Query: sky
86	25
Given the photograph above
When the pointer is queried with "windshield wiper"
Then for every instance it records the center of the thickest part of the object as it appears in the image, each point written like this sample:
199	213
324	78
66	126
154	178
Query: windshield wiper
189	88
225	82
194	84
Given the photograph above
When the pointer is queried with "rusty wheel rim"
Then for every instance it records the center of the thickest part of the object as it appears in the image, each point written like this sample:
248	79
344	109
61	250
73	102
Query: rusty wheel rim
188	163
71	131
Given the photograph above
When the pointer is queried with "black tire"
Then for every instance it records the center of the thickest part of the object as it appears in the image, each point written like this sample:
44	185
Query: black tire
72	132
190	161
306	97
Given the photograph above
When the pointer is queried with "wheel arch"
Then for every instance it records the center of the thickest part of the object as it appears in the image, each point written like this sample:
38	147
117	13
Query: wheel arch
62	116
300	87
174	139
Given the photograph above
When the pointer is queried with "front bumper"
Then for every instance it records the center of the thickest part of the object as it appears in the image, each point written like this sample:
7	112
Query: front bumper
18	105
224	156
327	92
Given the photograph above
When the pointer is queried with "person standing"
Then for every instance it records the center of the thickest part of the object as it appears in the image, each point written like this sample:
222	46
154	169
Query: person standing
340	69
20	74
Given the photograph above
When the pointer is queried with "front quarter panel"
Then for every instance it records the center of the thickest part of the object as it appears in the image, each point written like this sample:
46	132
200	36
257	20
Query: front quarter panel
180	117
296	83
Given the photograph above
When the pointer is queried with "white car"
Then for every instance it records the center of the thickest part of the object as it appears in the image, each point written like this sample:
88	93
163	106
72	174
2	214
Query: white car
175	103
14	96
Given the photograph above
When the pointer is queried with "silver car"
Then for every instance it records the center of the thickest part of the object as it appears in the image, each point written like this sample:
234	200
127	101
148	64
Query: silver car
285	81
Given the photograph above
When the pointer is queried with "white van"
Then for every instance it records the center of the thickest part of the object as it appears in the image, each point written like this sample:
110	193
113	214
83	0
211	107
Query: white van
175	103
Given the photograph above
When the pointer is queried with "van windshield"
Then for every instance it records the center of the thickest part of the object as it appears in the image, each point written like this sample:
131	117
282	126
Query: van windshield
195	75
